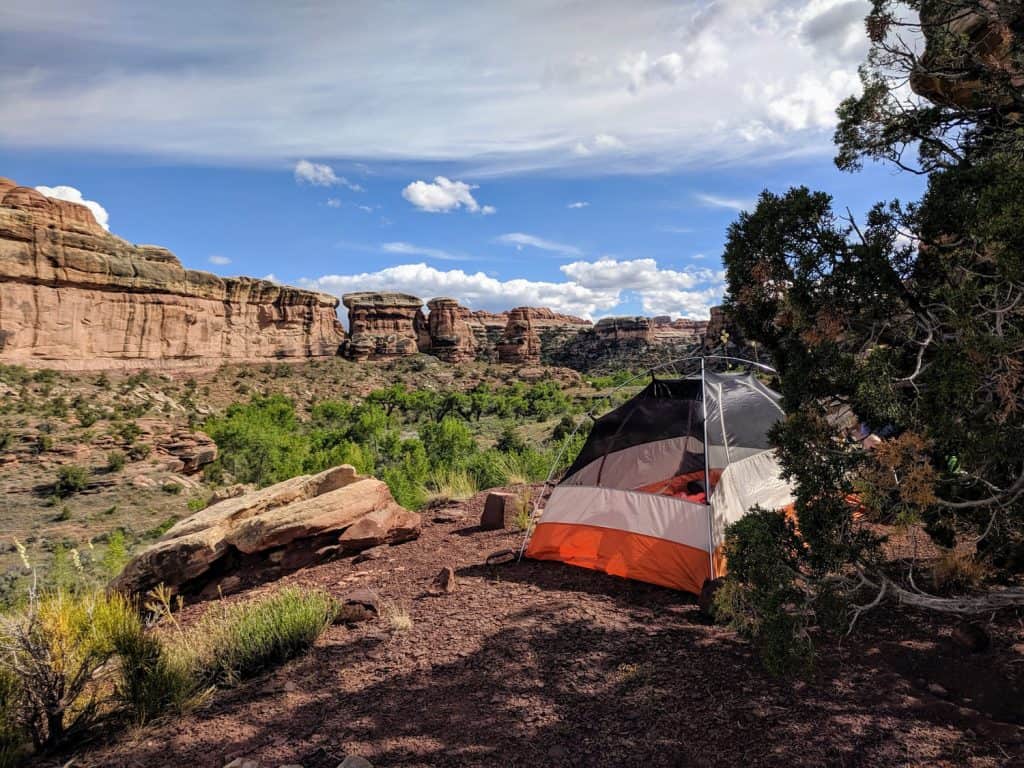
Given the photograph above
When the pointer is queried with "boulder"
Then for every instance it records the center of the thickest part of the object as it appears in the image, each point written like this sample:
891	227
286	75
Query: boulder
192	450
390	523
75	297
500	511
284	526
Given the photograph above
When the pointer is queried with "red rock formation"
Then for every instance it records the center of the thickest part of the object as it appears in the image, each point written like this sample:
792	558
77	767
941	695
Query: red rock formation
383	325
75	297
615	329
956	77
452	338
520	343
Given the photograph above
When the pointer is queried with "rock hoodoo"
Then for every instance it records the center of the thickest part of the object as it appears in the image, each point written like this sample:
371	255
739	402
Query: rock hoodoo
75	297
452	337
520	342
273	530
383	325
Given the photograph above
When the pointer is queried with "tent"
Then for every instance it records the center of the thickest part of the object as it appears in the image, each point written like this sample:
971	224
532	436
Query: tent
661	476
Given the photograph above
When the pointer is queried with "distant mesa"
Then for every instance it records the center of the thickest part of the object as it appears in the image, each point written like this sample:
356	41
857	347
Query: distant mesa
75	297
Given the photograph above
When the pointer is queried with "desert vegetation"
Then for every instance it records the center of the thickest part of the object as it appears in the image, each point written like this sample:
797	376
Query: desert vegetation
426	445
910	320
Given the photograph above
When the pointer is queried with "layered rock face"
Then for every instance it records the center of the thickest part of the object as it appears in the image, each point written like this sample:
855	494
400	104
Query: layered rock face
383	325
953	75
452	337
520	342
276	529
615	329
73	296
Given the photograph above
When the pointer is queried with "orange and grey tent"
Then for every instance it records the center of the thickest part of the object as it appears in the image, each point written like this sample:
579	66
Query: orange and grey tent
661	476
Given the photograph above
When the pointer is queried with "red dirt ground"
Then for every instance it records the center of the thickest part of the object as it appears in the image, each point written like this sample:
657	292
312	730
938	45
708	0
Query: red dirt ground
544	664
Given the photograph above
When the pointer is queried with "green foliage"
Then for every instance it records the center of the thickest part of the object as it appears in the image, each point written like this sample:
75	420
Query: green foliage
115	461
918	338
250	637
448	443
115	556
172	488
70	480
761	598
259	441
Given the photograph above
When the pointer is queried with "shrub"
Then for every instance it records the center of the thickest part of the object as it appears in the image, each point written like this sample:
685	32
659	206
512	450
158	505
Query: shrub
115	461
57	651
448	442
12	736
247	638
139	451
115	556
451	485
760	597
197	503
159	530
171	488
156	675
6	439
70	480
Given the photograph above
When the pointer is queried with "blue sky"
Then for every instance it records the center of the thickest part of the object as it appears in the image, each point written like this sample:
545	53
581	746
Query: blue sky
594	169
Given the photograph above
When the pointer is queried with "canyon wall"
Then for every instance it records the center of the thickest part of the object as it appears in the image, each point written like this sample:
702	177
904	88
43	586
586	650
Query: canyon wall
383	325
75	297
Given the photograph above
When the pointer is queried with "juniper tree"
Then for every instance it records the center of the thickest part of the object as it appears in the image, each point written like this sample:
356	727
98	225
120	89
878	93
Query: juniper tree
910	322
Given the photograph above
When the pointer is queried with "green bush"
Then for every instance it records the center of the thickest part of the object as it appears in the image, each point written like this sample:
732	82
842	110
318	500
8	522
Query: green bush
171	488
115	461
247	638
115	556
70	480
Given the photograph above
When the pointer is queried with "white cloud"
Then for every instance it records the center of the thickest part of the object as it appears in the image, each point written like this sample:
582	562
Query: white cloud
521	240
509	88
320	175
220	261
716	201
72	195
578	204
271	278
409	249
444	195
333	202
591	289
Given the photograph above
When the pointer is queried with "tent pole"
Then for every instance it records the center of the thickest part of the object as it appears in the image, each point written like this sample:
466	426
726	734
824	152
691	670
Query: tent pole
707	472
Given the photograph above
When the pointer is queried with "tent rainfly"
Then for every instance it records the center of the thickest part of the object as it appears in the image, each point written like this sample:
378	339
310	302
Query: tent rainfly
660	477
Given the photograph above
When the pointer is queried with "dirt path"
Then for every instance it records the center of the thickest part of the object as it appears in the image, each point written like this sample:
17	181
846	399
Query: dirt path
543	664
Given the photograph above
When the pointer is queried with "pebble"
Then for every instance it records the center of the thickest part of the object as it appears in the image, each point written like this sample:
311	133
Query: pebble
355	761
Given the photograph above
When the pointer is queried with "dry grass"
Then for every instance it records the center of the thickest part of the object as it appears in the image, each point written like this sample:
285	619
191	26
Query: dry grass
451	485
397	616
958	570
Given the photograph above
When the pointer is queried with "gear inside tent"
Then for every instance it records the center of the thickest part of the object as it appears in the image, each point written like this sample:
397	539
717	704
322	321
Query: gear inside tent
661	476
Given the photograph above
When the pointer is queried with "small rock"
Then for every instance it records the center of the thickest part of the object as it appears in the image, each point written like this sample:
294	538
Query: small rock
501	557
290	765
242	762
358	605
373	553
937	689
444	582
355	761
290	687
1018	648
449	516
971	637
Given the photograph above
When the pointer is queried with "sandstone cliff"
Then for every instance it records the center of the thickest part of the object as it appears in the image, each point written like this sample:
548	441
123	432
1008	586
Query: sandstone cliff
75	297
383	325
